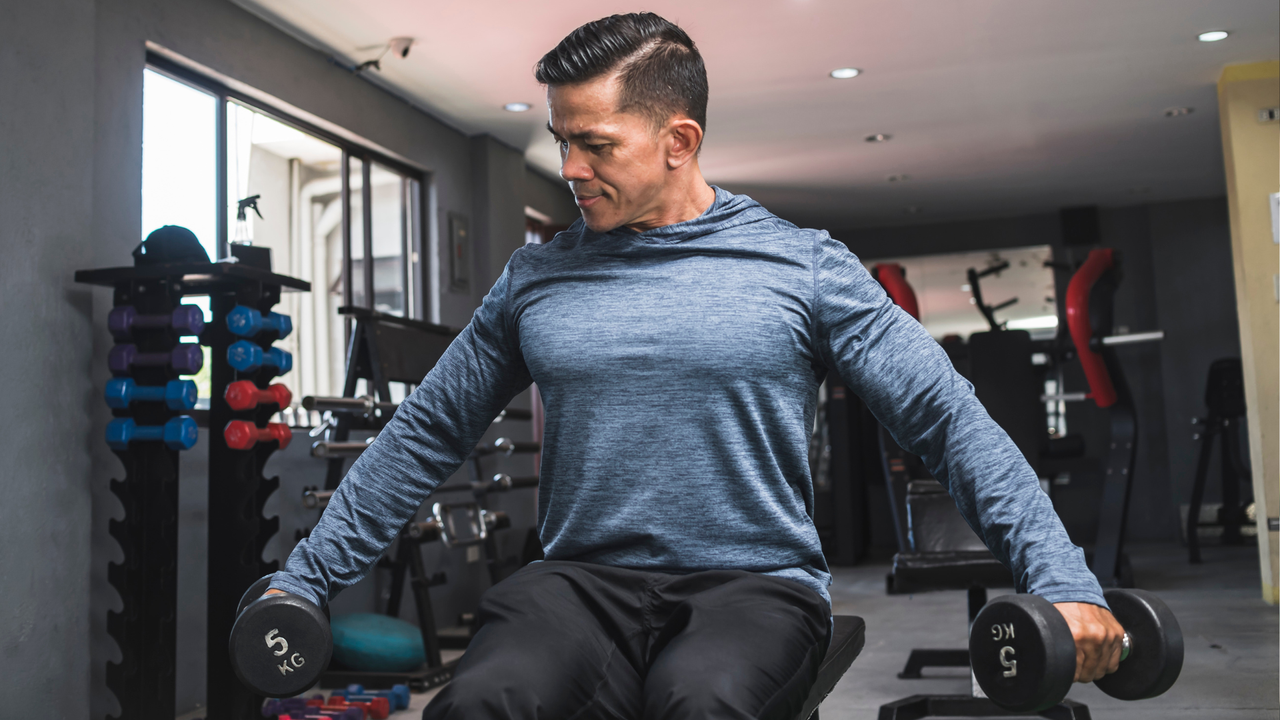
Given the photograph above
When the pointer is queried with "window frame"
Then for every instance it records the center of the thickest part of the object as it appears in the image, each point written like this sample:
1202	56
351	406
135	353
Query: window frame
418	304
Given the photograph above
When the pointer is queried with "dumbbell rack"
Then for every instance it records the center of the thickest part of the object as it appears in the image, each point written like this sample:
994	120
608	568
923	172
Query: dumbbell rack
143	681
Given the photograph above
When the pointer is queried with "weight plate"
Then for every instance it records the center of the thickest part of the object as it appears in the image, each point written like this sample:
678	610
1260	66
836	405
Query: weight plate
1022	653
1155	660
280	644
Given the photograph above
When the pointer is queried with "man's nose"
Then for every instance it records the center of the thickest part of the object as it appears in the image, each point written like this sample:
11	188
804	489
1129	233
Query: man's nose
572	167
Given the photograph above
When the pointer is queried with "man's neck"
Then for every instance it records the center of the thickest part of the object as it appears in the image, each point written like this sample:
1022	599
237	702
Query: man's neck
684	202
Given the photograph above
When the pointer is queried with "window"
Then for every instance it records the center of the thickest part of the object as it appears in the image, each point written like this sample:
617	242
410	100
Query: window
336	214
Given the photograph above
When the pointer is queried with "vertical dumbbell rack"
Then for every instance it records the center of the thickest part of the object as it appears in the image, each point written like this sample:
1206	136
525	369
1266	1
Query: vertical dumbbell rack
143	681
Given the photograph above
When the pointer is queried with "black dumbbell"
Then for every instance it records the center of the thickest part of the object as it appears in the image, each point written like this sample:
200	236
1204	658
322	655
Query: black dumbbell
280	643
185	359
1024	656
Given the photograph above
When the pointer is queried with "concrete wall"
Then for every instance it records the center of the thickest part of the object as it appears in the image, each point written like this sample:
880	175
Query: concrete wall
46	200
71	73
1176	259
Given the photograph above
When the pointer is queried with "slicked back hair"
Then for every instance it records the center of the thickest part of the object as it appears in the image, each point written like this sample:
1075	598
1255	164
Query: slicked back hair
660	70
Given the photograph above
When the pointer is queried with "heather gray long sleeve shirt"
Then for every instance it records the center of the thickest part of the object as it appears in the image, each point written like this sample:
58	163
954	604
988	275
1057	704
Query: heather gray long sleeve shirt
679	369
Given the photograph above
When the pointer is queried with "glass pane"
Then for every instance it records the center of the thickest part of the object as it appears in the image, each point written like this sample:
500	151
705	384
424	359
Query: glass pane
179	176
388	240
297	178
357	233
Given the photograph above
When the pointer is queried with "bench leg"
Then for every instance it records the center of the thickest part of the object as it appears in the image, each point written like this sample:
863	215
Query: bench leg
920	659
917	707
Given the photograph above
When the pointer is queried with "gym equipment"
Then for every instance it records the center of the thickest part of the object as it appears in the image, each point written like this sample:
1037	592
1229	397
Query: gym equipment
377	708
184	320
507	446
243	435
328	450
120	393
311	709
313	499
243	395
988	311
171	266
1024	657
185	359
1224	394
363	405
376	643
398	695
180	433
247	322
246	357
442	525
280	643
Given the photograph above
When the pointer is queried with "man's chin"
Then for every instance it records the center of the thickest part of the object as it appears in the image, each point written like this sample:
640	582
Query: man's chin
599	224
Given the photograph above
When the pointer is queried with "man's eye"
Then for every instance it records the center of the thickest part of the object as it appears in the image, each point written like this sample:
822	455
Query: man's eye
597	147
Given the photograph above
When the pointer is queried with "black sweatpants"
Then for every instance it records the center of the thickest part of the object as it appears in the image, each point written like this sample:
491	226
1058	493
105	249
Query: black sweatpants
576	641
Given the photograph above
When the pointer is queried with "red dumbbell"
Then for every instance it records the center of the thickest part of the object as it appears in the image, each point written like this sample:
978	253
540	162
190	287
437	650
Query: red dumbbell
242	434
377	708
243	394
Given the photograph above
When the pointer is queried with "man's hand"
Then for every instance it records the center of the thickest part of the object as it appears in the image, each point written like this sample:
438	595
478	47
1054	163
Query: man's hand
1099	639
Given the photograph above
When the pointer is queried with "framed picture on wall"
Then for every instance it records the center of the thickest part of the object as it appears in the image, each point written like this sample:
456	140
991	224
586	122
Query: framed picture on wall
459	253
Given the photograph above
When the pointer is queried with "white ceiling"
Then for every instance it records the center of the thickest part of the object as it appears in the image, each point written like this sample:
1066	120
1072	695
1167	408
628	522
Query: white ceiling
996	107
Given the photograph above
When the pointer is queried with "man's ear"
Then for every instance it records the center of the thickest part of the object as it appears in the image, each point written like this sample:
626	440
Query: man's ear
685	137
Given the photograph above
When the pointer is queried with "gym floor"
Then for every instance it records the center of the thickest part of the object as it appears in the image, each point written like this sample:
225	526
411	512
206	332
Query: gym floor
1230	637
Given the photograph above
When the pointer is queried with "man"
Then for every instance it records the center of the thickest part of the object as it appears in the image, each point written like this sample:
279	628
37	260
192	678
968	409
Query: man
678	335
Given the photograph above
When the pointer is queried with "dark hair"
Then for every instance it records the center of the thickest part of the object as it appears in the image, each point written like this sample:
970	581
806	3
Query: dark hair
660	69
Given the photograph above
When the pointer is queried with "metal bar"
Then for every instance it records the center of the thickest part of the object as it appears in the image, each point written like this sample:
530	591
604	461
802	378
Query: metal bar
1065	397
1133	338
347	269
366	215
220	177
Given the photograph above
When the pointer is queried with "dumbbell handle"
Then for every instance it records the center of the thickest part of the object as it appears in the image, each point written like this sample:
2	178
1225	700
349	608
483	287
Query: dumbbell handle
363	404
327	450
1126	647
313	499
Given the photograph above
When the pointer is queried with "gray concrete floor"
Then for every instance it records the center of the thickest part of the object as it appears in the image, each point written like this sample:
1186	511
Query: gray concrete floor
1232	657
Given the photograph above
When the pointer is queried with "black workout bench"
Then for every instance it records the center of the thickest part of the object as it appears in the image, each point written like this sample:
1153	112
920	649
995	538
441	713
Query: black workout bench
847	639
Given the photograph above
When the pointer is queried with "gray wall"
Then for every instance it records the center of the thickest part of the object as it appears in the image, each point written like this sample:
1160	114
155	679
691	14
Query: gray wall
71	72
46	200
1177	277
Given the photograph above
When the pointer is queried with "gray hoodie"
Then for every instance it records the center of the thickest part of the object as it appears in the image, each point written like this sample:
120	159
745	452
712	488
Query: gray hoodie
679	369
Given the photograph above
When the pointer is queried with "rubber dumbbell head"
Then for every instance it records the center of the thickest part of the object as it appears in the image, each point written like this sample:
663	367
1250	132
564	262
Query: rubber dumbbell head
243	395
180	433
185	359
120	393
280	643
377	707
1022	653
245	356
248	322
398	695
242	434
1155	639
184	320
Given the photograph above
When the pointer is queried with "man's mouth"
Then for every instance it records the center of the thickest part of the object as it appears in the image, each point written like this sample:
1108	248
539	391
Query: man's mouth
586	201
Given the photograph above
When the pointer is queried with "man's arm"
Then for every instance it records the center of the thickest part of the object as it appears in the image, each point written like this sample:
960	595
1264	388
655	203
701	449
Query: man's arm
911	387
429	437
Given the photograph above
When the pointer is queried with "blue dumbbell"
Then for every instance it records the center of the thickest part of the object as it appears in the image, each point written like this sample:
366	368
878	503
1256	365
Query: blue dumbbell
247	322
244	356
179	433
177	394
398	695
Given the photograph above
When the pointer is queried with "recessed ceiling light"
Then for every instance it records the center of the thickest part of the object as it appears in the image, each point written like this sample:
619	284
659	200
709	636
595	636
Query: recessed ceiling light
878	138
898	178
1178	111
845	73
516	107
1213	36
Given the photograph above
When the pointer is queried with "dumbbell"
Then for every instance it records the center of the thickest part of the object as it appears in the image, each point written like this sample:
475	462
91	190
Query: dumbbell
242	434
281	643
185	359
184	320
243	395
1024	657
177	394
247	322
377	708
398	695
245	356
178	433
313	708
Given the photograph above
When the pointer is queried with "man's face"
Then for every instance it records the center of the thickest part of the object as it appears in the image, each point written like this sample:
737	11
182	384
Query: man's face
614	162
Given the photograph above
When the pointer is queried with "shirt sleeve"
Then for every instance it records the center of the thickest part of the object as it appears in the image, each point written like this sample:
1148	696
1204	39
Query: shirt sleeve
910	385
427	440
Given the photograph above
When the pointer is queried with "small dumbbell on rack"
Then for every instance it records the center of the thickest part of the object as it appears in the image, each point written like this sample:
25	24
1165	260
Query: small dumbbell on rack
246	357
185	359
179	433
184	320
176	394
243	435
244	395
247	322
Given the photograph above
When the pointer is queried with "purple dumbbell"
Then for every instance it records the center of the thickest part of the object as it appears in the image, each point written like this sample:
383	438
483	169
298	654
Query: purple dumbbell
185	320
186	359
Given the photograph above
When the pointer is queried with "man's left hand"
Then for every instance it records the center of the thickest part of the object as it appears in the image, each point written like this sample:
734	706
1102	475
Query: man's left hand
1099	639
